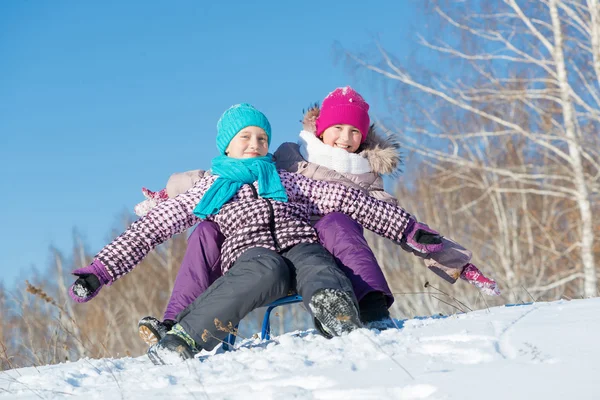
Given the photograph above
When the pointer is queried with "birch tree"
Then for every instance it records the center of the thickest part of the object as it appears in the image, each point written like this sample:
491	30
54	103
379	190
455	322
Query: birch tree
529	71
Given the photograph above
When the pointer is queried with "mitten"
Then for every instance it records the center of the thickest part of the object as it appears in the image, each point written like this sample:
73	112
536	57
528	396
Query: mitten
422	238
474	276
152	199
90	281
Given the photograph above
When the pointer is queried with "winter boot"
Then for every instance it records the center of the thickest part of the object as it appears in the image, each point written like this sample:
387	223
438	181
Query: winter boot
374	313
152	330
176	346
334	312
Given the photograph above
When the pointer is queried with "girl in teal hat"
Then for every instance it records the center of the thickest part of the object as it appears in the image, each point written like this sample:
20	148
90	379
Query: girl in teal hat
270	246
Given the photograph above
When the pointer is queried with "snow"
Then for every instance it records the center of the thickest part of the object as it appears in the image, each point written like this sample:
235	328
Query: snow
539	351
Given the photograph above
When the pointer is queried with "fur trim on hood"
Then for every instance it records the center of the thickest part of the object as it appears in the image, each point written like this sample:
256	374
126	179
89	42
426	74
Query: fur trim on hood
382	152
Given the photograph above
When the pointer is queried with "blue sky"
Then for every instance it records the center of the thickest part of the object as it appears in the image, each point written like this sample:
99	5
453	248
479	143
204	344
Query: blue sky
100	98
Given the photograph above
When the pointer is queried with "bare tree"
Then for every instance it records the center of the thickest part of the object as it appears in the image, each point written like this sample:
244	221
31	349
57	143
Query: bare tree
529	73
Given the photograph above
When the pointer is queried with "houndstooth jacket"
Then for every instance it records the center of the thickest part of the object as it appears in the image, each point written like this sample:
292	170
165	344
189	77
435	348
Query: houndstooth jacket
250	221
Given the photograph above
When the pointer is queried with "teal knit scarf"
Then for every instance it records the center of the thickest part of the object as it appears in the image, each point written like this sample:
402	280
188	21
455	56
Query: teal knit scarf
232	174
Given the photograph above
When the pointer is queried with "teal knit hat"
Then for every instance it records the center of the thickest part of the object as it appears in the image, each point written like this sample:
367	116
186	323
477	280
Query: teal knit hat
235	119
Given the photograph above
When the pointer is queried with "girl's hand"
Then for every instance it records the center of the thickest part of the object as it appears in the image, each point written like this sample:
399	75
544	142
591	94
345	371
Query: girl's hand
85	288
152	199
422	238
89	282
475	277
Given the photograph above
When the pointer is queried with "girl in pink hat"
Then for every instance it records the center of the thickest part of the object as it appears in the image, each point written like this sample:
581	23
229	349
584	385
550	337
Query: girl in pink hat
337	144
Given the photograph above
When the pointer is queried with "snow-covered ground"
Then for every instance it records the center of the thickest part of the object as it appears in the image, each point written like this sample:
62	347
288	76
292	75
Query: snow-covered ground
540	351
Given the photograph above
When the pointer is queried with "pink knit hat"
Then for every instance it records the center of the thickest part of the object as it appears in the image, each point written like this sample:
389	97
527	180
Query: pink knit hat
344	106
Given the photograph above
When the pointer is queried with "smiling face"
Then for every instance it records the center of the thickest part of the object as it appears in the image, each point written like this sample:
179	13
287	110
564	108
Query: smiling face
342	136
250	142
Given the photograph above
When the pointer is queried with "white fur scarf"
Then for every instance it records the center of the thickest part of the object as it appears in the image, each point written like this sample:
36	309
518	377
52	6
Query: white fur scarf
315	151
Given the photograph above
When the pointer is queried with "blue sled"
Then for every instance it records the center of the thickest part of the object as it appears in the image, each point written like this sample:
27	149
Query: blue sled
265	333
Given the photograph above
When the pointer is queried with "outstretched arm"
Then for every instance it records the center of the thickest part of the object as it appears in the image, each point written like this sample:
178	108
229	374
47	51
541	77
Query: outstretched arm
177	184
444	256
121	255
385	219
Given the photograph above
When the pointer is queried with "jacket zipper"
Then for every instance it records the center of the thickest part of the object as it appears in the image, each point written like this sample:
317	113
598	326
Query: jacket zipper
271	218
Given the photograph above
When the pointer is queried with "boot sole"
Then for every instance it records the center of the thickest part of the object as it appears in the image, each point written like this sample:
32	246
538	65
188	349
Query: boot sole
156	360
147	335
168	353
336	316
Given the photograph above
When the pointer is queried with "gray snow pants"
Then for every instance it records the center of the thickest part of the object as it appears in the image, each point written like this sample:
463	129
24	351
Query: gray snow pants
257	278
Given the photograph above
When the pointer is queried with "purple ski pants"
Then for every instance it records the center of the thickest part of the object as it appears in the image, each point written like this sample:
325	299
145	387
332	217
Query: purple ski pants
339	234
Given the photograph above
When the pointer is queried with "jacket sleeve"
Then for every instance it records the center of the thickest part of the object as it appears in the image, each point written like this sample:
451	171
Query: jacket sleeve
383	196
179	183
447	263
376	190
162	222
385	219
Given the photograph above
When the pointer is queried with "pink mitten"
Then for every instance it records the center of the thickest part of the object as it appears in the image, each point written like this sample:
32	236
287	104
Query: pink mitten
474	276
152	199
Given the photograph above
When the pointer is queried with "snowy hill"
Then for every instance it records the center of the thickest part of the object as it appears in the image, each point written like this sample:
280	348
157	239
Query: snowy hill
540	351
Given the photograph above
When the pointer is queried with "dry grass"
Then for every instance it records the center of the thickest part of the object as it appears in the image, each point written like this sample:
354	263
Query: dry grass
42	325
